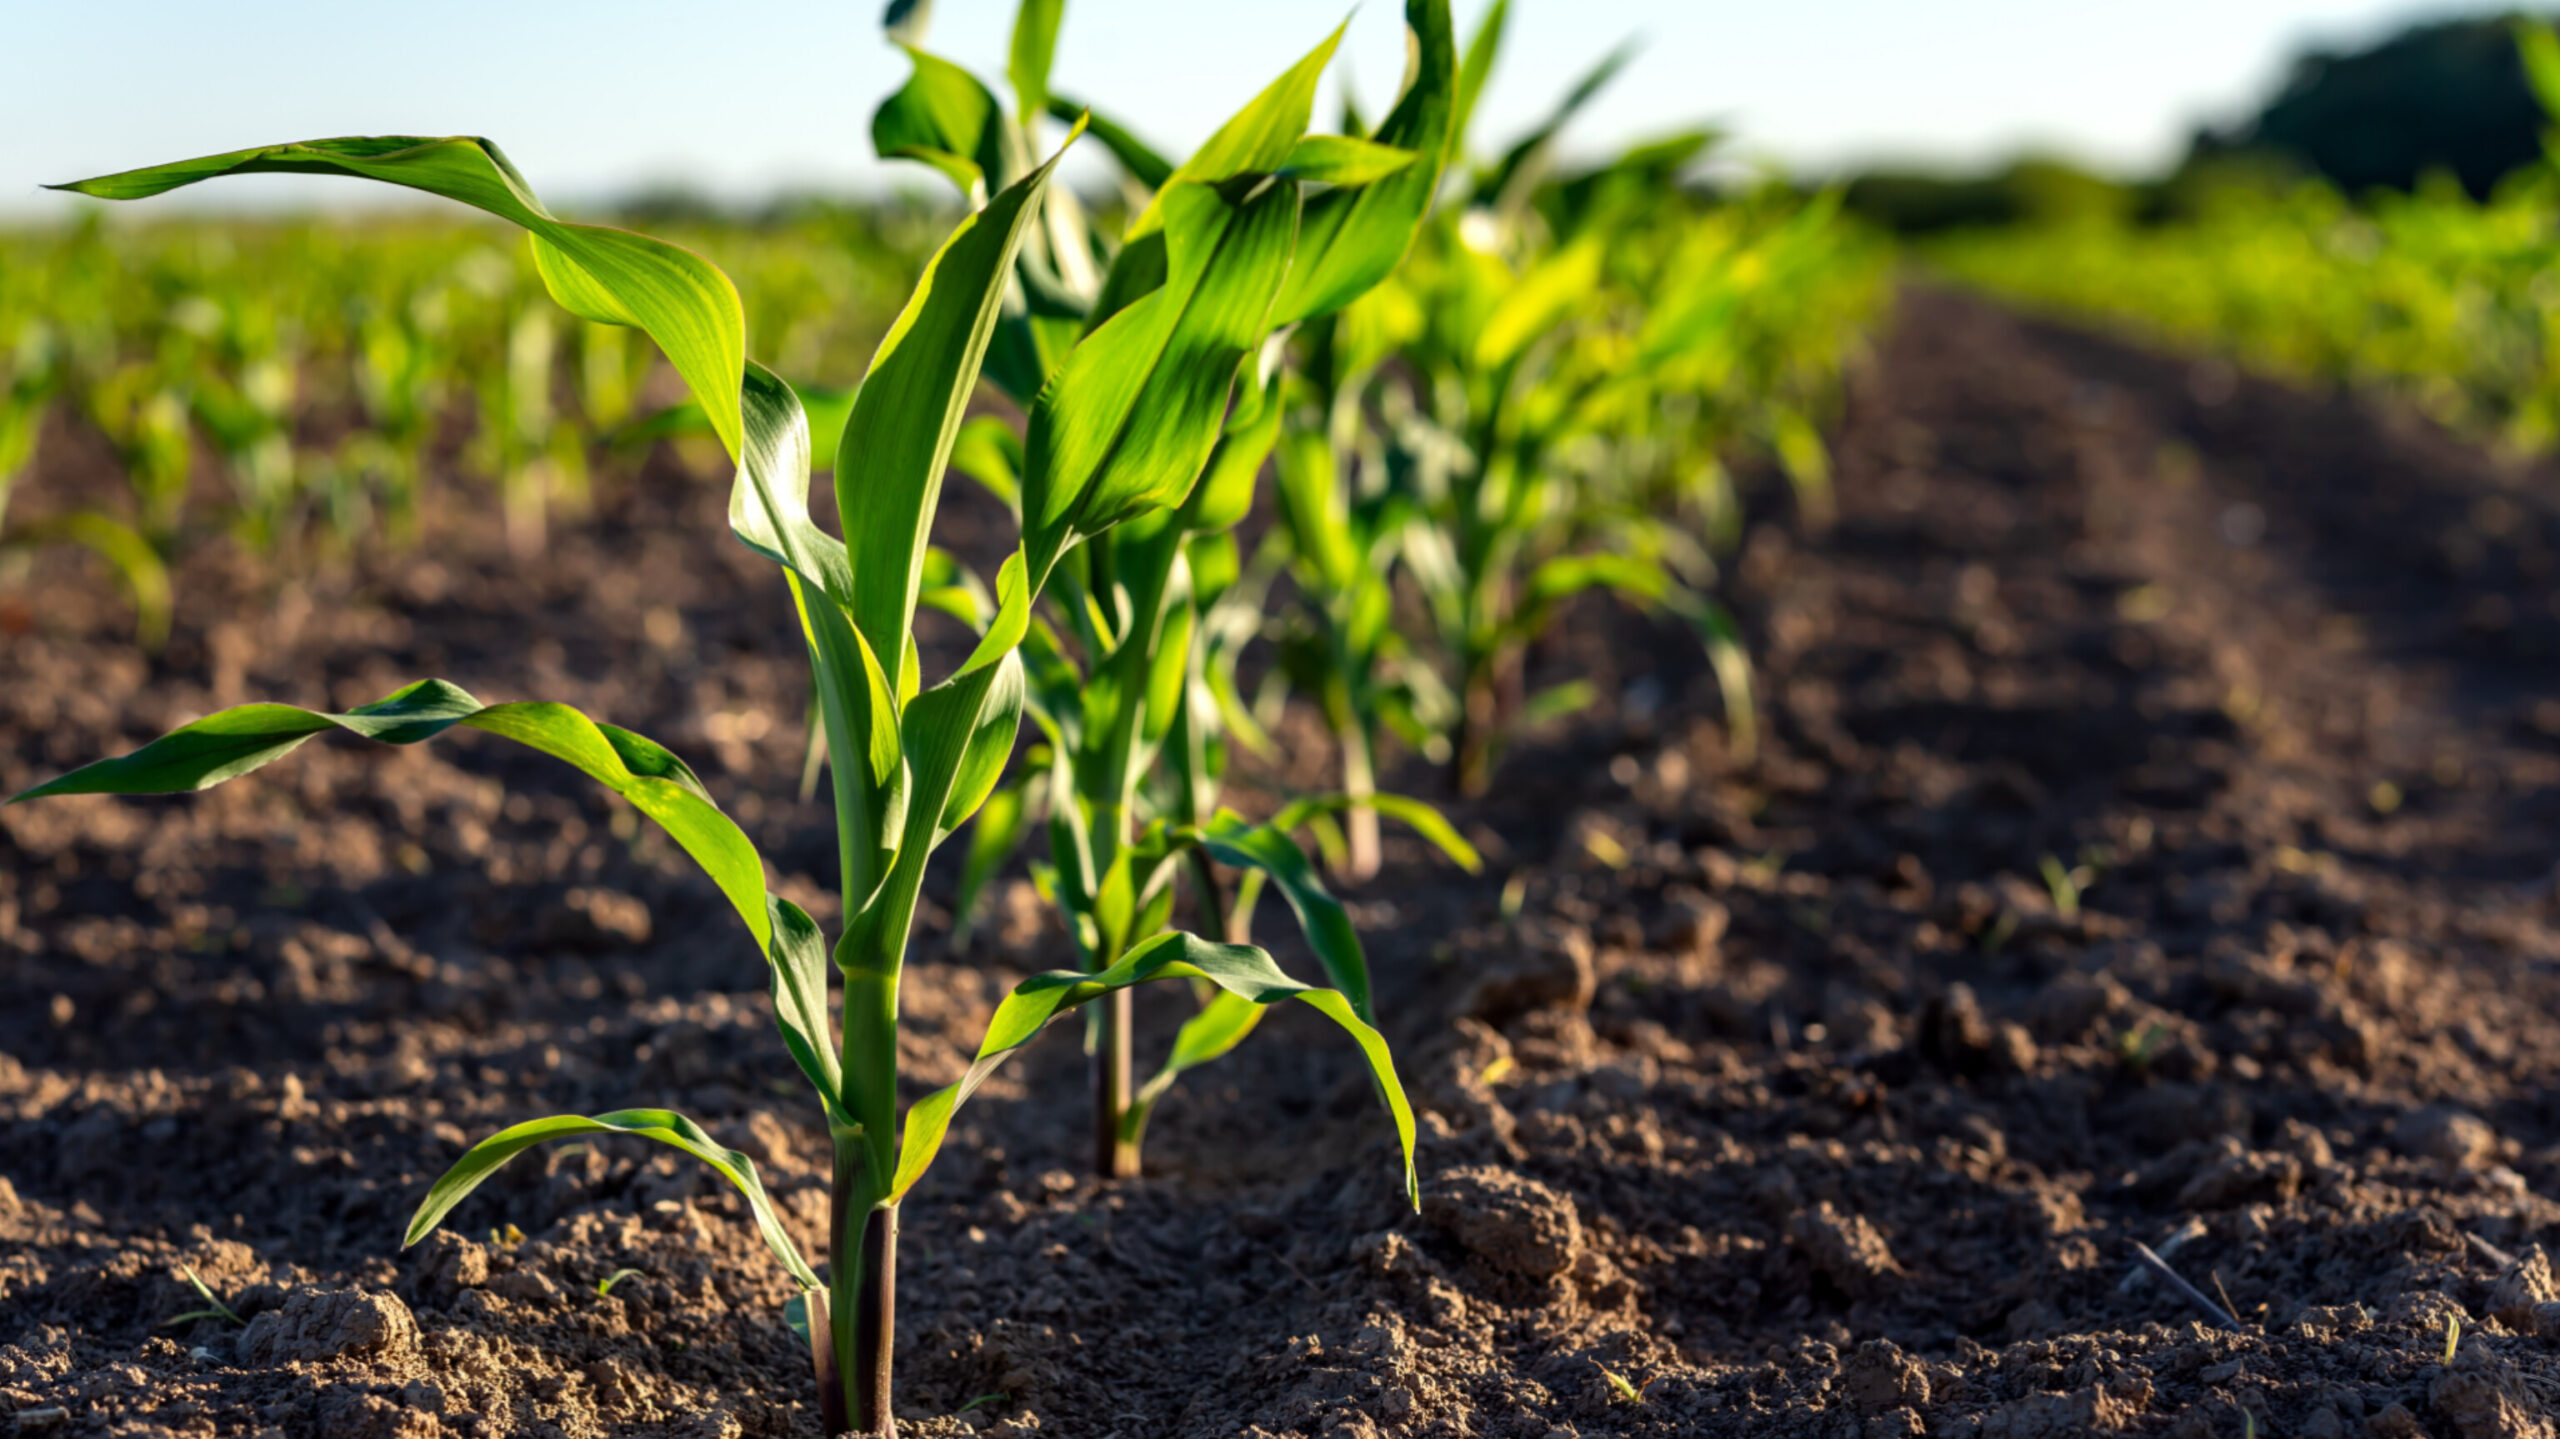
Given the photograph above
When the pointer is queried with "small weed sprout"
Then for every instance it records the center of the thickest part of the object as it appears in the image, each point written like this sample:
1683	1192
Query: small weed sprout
2064	885
1623	1391
2135	1047
214	1307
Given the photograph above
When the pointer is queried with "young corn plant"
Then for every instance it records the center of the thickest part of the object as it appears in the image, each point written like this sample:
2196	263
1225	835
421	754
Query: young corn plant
1118	669
1115	437
1500	428
1339	528
26	388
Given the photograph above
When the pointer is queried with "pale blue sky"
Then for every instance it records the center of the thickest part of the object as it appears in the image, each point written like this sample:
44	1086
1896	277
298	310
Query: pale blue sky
598	97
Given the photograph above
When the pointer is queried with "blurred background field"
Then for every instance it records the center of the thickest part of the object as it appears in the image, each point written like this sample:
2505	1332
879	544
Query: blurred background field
2378	216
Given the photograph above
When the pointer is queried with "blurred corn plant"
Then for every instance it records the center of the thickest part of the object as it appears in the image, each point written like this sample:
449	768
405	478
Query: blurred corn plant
299	385
1539	403
31	371
1118	434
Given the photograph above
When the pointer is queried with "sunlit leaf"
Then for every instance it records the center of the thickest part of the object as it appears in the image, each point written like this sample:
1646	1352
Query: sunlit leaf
663	1125
594	271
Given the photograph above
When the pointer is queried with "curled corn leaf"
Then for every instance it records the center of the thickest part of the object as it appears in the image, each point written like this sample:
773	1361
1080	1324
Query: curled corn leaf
663	1125
593	271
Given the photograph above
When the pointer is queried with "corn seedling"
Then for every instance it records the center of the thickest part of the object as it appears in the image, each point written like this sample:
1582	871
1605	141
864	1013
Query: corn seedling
1117	435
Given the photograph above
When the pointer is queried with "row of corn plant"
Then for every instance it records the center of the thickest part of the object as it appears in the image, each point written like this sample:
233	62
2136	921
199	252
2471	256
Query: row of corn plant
321	367
1127	407
1476	399
1543	401
2429	295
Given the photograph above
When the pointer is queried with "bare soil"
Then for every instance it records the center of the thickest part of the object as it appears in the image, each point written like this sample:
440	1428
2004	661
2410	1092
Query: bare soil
2151	844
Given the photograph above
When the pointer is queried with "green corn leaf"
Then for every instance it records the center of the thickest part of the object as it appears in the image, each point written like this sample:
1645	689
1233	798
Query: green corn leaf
1211	1034
1237	718
988	451
957	737
1731	661
1638	579
1254	143
1132	417
594	271
1415	815
1507	187
663	1125
769	513
1135	156
1352	239
954	589
898	441
136	563
1554	290
1331	845
1169	667
1012	621
769	497
235	741
826	406
1155	904
1035	48
1237	969
1312	510
994	716
943	117
1001	825
1483	48
800	966
2539	49
1257	139
1218	1028
1265	850
1341	160
1807	461
232	742
1224	494
1557	701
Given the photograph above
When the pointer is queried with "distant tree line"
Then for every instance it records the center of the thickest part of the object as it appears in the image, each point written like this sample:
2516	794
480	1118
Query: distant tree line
2443	98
